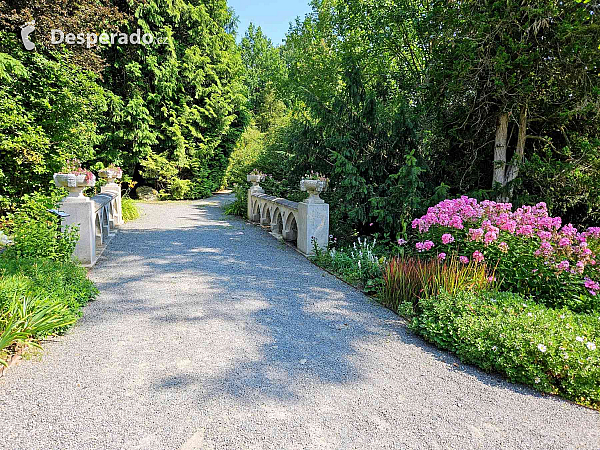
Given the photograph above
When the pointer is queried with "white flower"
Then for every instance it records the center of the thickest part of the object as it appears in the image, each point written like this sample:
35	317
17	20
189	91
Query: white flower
591	346
542	348
537	380
579	339
494	348
530	314
562	316
525	305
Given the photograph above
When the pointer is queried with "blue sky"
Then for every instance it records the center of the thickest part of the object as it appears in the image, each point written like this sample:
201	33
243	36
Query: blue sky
272	16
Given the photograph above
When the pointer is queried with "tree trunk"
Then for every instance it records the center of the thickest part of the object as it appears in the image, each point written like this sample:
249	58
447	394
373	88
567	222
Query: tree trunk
500	150
513	168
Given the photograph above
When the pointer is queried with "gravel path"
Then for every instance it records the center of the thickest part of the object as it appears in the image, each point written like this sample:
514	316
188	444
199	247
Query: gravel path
208	333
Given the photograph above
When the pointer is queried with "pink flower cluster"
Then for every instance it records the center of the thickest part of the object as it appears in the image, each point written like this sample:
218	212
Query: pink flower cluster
592	286
562	247
455	213
424	246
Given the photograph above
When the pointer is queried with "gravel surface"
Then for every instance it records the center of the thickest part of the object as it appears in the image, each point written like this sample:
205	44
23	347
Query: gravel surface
209	333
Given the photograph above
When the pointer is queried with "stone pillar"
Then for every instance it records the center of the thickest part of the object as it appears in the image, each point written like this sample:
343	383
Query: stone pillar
81	213
313	222
254	189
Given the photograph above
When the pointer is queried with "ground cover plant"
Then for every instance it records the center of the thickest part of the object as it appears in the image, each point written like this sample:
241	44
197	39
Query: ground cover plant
360	264
129	209
553	350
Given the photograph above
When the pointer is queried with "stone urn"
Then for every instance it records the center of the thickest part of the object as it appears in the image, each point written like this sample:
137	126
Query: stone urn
255	179
75	183
110	174
314	188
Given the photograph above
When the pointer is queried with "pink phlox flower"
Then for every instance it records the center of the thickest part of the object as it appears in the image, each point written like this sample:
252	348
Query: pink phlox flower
447	238
441	256
564	242
545	249
569	231
544	235
592	286
478	256
475	234
490	237
592	232
464	260
525	230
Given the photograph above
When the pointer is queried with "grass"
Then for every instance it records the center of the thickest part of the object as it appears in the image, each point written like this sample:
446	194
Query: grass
39	298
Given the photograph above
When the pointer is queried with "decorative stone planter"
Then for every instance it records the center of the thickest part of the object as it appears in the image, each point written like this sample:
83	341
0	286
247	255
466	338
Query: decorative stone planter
314	188
75	183
255	180
110	174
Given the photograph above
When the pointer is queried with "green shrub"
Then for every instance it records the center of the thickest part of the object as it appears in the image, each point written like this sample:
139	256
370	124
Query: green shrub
239	207
129	210
39	298
553	350
36	233
244	157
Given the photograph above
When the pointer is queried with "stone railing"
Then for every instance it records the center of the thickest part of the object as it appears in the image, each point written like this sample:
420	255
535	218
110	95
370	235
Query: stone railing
96	217
306	222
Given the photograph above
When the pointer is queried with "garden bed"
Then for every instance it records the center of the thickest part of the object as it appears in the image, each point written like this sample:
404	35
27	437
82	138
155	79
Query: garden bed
510	292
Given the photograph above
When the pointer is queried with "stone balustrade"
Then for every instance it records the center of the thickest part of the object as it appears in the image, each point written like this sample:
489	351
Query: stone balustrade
305	222
96	217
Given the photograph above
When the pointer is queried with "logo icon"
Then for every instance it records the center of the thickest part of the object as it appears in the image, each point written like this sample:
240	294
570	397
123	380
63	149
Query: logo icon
26	30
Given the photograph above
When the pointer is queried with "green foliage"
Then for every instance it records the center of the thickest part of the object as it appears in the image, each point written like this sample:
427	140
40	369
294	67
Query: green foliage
553	350
264	75
180	106
239	207
36	233
245	156
354	120
129	209
39	297
49	112
358	265
536	62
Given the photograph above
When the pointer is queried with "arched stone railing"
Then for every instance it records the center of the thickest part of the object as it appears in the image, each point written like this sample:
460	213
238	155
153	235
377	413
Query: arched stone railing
305	222
96	218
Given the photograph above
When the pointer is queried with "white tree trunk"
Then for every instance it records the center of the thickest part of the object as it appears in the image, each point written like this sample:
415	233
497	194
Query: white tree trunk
513	168
500	150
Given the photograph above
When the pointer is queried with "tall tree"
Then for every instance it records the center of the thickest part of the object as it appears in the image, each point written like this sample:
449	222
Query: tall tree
182	98
265	73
